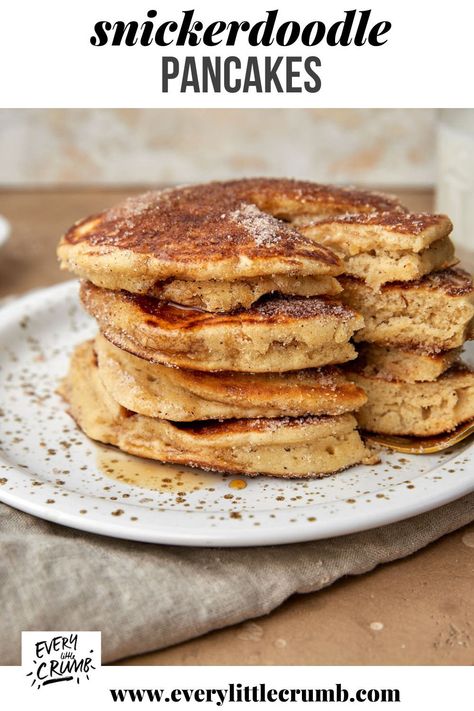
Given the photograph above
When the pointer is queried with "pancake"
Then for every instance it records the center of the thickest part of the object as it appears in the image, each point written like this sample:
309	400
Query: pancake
416	409
433	314
386	247
276	334
392	230
285	447
195	244
382	267
409	366
184	395
224	296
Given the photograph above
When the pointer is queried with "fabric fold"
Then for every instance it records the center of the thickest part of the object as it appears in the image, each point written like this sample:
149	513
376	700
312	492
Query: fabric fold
144	597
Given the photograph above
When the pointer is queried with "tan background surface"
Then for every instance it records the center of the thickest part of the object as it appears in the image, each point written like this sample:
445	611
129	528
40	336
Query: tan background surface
415	611
97	146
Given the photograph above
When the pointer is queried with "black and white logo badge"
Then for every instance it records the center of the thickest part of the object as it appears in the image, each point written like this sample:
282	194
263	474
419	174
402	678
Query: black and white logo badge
56	657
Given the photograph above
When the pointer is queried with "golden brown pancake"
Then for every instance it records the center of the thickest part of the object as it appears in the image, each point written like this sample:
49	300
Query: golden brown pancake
386	247
282	447
407	365
432	314
214	236
274	335
391	231
415	409
185	395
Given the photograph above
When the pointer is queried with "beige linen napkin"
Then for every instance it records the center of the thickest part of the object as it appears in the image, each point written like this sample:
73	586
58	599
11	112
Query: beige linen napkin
144	597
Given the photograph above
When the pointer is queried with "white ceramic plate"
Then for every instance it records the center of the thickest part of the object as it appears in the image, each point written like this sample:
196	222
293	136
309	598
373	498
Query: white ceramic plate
51	470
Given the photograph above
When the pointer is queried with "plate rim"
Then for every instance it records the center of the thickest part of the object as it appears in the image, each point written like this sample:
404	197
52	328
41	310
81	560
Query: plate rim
298	533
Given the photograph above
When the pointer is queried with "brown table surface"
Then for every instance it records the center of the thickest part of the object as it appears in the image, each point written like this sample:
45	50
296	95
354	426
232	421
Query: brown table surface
424	602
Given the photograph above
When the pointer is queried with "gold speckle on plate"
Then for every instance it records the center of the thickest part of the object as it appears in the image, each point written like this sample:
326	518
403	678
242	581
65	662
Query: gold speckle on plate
237	484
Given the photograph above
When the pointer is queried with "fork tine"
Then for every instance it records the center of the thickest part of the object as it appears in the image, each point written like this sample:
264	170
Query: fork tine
422	445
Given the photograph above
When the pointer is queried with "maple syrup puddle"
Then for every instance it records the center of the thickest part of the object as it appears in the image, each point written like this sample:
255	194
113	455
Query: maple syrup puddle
147	474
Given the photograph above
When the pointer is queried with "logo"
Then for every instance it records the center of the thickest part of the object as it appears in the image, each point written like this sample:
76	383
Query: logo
57	657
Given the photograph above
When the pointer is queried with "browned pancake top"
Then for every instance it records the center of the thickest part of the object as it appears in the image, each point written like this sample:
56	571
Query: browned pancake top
219	220
396	221
454	282
302	196
272	309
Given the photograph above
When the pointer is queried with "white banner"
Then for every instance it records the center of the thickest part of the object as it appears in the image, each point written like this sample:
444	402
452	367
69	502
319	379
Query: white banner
235	54
405	688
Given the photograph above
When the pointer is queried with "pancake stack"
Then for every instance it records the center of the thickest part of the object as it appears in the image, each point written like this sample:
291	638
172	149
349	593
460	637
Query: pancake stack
221	329
418	311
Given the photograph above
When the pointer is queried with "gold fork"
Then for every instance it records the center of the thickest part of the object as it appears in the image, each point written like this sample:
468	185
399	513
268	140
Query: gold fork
422	445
